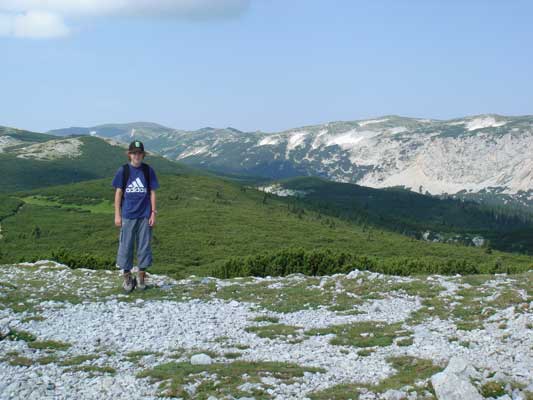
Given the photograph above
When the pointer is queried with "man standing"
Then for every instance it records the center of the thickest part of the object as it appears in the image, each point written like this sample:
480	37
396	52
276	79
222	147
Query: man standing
135	210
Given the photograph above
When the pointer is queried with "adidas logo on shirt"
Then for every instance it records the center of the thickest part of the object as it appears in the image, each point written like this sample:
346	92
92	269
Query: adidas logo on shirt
136	187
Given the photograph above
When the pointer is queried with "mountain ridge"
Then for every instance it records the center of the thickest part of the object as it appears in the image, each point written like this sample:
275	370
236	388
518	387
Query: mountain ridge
469	154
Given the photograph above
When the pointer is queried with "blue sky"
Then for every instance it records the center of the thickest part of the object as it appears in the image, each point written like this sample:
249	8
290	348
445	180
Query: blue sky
261	64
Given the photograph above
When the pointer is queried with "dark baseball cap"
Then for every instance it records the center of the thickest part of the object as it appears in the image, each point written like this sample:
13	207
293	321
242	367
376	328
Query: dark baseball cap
136	146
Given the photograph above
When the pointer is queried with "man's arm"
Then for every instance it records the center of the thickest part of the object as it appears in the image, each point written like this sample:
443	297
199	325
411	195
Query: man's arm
152	199
118	199
151	220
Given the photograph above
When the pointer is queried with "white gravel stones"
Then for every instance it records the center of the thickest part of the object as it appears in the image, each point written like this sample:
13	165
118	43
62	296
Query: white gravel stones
201	359
394	395
111	329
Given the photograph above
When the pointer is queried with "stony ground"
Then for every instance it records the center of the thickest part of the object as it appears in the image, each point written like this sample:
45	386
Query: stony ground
73	334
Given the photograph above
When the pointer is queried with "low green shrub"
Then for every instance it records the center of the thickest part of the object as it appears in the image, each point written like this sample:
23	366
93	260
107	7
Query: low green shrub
326	262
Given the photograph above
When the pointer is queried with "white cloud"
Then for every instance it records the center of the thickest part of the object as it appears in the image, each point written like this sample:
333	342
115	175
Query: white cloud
176	8
39	24
45	18
33	24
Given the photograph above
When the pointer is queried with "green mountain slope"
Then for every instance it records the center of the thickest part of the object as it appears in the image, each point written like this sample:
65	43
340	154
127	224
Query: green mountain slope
30	160
414	214
202	222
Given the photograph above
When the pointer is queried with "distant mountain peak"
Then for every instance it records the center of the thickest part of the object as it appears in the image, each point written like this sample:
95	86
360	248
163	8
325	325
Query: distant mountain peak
471	153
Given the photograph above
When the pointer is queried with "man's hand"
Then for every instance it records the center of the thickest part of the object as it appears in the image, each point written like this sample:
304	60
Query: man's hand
118	220
151	220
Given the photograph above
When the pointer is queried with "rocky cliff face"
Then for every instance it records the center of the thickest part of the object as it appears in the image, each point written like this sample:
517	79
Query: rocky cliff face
479	153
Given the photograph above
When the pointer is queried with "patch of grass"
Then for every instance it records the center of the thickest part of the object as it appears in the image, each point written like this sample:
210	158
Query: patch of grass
232	355
266	318
173	376
472	310
274	331
21	335
365	352
356	292
432	307
305	294
492	389
529	395
289	298
21	361
77	360
476	280
135	356
507	297
197	290
418	287
405	342
102	207
48	359
343	391
93	369
408	370
48	344
362	334
221	339
33	318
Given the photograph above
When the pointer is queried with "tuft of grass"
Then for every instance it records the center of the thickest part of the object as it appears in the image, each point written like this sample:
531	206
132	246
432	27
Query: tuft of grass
492	389
232	355
362	334
21	361
274	331
135	356
405	342
408	370
173	376
93	369
266	318
77	360
289	298
33	318
21	335
48	359
507	297
48	344
365	352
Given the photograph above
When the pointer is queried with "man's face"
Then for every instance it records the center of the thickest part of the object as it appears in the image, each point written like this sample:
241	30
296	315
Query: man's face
136	156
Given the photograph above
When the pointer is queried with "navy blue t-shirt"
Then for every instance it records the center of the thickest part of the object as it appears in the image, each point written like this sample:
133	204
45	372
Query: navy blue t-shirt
136	202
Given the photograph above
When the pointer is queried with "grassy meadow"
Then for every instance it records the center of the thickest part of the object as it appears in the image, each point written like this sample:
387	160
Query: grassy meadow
202	222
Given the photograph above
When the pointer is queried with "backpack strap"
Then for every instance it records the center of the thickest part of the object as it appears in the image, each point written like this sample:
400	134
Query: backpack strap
146	171
125	177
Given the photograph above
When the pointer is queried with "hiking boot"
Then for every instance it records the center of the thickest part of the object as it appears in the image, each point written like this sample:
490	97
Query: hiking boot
141	275
129	282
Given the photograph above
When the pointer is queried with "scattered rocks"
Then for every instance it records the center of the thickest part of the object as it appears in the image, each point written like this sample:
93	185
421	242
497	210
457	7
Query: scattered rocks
156	328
